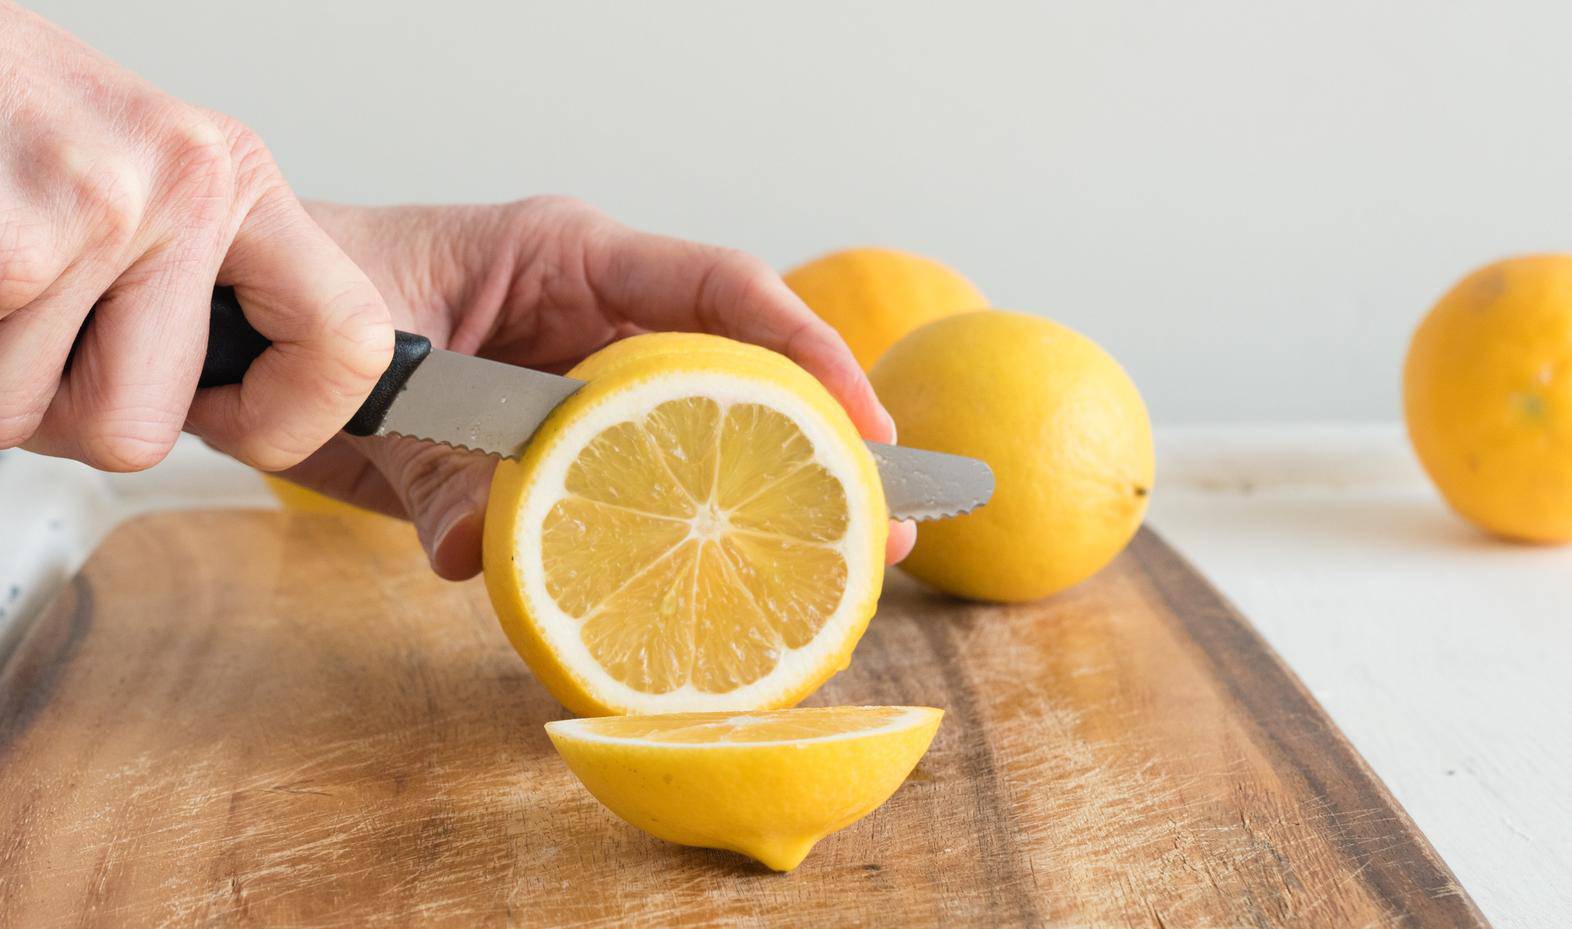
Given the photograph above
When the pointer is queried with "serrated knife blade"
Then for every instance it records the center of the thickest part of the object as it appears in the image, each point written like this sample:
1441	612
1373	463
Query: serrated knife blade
490	407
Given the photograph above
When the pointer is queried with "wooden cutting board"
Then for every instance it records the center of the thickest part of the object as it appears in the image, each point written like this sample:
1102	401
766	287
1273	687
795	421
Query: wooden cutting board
249	718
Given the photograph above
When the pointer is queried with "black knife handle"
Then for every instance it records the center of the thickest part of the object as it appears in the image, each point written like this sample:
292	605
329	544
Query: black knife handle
232	344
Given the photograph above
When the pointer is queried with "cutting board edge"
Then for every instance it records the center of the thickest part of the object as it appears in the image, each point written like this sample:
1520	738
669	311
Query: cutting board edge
1246	658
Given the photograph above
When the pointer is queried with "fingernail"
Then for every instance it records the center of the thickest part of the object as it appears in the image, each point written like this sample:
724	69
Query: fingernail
891	420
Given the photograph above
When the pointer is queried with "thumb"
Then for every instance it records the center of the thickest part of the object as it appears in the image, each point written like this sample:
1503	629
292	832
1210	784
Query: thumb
444	492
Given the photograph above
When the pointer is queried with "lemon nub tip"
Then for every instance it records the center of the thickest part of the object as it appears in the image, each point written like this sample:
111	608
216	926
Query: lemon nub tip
781	856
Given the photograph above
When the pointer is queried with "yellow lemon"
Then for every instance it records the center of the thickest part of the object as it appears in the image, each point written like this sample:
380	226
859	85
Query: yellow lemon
304	500
1061	425
691	531
873	296
1487	393
767	784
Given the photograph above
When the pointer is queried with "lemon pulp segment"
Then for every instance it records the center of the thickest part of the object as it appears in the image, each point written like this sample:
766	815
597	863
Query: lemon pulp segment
695	543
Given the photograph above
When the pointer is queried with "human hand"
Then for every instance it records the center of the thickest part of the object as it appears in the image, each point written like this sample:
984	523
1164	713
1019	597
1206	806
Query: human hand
543	283
115	194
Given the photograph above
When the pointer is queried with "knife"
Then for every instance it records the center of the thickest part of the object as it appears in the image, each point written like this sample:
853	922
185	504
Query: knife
480	405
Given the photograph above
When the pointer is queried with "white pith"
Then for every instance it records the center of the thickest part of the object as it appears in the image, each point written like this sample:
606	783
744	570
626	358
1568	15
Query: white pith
561	631
583	730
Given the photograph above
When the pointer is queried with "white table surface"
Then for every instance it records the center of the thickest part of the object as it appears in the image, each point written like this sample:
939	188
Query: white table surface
1446	657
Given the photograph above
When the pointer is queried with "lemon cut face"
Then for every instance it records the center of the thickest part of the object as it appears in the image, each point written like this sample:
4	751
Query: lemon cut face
769	727
687	535
680	539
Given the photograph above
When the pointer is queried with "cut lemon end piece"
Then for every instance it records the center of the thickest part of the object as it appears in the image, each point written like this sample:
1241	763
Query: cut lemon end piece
768	784
687	533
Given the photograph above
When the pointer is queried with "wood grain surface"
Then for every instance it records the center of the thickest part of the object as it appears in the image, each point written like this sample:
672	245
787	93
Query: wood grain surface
249	718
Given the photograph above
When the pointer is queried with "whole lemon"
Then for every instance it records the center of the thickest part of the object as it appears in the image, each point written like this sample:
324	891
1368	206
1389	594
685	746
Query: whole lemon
873	296
1061	425
1487	394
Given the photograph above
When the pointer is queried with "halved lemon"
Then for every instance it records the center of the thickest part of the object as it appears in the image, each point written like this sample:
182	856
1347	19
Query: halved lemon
693	530
768	784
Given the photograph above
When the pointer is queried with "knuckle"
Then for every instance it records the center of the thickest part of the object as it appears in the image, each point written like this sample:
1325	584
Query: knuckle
749	269
566	217
251	165
738	279
199	162
108	193
27	262
242	139
554	203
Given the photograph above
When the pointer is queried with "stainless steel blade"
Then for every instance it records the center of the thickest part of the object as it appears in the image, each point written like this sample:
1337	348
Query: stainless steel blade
475	404
487	406
922	485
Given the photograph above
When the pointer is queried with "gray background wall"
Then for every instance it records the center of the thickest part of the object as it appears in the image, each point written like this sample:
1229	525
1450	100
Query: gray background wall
1250	204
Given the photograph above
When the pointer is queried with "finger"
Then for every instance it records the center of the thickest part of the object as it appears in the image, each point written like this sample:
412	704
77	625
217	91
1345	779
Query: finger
331	337
903	535
444	492
820	350
35	342
30	260
664	283
67	204
66	225
124	398
341	470
122	403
